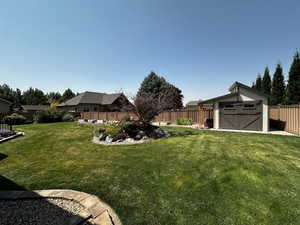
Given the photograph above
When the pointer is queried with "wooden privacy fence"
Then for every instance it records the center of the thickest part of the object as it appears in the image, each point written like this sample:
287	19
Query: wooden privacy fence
197	116
109	116
288	115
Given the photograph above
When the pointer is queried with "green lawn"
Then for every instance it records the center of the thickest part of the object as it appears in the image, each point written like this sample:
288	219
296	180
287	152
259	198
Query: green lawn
199	177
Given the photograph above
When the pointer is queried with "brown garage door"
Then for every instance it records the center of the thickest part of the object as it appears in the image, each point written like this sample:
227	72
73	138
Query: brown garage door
241	115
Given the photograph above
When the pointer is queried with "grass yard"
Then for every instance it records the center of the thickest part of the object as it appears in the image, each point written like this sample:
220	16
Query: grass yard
199	177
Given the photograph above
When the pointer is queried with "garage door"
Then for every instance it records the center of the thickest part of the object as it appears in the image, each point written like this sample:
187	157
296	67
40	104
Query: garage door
241	115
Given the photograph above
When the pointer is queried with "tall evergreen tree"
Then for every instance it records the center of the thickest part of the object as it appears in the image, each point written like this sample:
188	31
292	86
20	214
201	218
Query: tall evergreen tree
266	82
293	88
34	97
278	87
152	84
54	97
68	94
258	83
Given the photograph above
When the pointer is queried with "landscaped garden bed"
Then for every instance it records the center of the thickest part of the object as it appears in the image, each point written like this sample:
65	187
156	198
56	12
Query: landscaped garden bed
127	131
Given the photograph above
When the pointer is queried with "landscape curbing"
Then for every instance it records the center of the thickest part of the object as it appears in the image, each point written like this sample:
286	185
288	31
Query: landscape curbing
12	137
99	212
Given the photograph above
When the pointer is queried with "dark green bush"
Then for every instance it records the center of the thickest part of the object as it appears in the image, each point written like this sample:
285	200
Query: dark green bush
48	116
112	130
184	121
14	119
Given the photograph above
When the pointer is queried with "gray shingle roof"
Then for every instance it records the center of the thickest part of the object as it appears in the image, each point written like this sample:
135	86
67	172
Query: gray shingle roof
35	107
193	103
91	98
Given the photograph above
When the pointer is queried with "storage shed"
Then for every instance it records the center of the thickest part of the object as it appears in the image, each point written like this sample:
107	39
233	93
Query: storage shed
244	108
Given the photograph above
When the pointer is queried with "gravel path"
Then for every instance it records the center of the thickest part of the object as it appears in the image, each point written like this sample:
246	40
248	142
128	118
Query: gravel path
50	211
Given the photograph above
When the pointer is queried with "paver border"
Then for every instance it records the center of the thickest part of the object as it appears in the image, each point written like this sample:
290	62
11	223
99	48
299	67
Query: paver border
95	209
12	137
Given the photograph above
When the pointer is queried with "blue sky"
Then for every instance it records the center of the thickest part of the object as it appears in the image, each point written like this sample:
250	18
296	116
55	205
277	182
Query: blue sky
200	46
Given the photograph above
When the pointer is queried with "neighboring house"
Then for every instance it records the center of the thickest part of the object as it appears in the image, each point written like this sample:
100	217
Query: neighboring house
192	105
34	108
244	108
29	110
4	106
97	102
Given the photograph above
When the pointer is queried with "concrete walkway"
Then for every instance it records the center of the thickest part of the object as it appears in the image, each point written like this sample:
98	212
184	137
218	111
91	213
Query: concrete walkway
275	132
196	126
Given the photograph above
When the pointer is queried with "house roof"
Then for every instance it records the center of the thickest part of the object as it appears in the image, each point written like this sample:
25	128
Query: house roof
91	98
193	103
4	100
35	107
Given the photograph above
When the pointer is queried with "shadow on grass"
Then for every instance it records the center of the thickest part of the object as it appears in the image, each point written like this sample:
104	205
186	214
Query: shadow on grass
15	198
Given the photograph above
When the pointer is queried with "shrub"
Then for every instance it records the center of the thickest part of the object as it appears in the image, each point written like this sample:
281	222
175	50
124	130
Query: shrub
14	119
184	121
68	117
98	130
112	130
48	116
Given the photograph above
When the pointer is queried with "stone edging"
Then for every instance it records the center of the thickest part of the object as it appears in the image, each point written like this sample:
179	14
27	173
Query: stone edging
95	141
98	211
12	137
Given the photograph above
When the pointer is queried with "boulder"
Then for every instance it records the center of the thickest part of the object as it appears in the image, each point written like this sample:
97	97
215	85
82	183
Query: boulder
145	138
109	139
138	137
102	137
129	140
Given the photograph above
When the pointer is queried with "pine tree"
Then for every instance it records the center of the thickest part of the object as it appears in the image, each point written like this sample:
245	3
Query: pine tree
258	83
293	89
278	87
68	94
266	82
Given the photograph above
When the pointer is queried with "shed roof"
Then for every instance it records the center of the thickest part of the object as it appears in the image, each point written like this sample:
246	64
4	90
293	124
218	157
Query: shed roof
212	100
91	98
253	90
233	93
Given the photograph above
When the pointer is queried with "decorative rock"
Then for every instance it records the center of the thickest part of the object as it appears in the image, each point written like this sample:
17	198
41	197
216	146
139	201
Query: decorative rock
109	139
102	137
138	137
129	140
145	138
